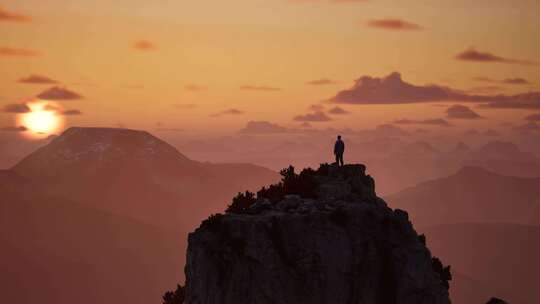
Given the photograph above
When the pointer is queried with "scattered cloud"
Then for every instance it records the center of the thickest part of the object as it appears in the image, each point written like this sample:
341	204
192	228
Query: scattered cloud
185	106
433	121
37	79
472	54
59	93
17	52
461	112
394	24
262	127
484	79
72	112
259	88
485	89
322	81
195	87
11	16
50	107
228	112
14	129
393	90
338	111
515	81
16	108
313	117
316	107
145	45
533	117
305	124
521	101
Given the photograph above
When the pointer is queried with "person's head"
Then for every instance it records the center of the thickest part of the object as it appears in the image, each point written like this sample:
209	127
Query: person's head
339	137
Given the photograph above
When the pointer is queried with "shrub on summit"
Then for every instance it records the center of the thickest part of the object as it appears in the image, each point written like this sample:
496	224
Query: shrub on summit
303	184
241	202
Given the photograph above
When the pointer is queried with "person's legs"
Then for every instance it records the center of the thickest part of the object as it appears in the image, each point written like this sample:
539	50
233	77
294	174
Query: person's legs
339	159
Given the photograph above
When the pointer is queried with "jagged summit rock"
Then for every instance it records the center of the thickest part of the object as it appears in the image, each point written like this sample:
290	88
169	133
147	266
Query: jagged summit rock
321	236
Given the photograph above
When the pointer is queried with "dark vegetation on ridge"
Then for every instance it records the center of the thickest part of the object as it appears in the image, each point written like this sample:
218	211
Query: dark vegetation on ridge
307	184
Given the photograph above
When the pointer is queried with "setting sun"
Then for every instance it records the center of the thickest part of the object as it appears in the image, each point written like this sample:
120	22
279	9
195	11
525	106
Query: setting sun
42	119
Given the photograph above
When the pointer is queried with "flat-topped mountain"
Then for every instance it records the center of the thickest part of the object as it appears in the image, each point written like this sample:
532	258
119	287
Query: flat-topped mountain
320	236
132	173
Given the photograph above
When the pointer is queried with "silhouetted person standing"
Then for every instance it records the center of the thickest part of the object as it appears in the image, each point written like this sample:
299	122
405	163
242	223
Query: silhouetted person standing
339	148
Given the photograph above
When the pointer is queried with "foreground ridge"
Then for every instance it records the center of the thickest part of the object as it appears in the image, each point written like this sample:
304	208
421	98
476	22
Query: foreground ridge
321	236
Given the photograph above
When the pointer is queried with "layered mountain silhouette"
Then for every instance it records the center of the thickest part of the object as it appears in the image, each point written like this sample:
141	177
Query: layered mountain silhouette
473	194
101	215
486	225
135	174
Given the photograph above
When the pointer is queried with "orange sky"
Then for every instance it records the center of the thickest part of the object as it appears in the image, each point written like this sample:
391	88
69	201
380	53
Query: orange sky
133	61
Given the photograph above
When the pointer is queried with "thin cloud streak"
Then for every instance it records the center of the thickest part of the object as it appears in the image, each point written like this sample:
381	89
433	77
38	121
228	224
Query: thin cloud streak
477	56
11	16
321	82
145	45
432	121
394	24
313	117
461	112
16	108
259	88
7	51
59	93
231	111
37	79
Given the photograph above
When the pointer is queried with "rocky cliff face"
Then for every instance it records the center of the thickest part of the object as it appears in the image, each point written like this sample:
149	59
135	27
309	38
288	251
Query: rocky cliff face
318	237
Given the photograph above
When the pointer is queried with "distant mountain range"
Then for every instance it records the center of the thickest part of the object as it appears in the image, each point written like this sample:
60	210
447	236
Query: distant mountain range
486	225
132	173
473	194
419	162
102	215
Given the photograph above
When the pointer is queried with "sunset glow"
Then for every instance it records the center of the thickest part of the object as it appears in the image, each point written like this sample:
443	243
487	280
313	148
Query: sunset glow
41	120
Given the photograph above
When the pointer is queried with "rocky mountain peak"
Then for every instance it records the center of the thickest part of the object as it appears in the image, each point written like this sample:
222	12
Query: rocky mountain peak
77	142
91	146
318	236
